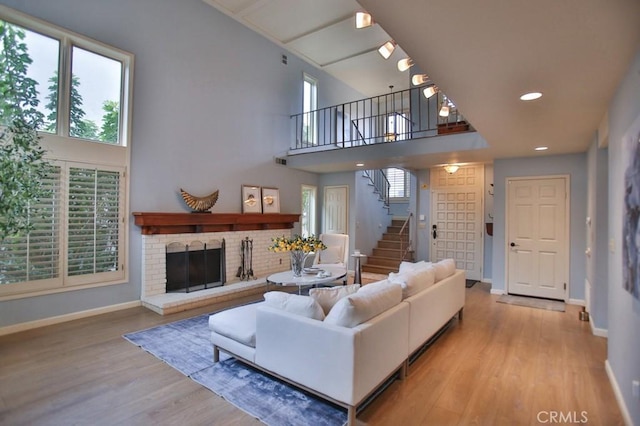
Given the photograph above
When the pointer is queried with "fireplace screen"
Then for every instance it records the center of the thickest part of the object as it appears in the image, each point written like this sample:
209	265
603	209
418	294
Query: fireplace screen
195	266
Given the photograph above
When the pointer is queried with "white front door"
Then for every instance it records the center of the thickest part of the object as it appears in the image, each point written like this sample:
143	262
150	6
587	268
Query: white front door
537	237
336	210
456	228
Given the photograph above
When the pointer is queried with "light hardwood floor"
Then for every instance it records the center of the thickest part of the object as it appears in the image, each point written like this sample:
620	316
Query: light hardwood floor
502	365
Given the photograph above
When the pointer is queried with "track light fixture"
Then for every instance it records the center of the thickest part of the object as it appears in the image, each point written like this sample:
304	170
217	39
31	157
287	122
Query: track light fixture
419	79
429	91
387	49
405	64
363	20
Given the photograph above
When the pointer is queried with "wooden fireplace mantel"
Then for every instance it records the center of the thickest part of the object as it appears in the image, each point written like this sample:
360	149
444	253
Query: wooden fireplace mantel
187	223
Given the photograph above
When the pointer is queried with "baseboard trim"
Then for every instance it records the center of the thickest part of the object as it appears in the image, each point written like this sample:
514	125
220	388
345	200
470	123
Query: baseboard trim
616	391
24	326
498	291
486	280
600	332
579	302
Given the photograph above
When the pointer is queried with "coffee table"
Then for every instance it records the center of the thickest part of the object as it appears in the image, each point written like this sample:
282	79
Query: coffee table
286	278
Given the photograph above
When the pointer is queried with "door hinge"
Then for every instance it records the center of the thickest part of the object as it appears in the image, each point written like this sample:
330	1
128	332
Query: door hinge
565	286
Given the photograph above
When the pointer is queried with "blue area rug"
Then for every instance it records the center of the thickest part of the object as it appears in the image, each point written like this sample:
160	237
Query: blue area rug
185	346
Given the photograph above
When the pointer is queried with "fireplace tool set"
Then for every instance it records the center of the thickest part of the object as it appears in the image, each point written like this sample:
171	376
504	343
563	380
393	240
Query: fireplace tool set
245	271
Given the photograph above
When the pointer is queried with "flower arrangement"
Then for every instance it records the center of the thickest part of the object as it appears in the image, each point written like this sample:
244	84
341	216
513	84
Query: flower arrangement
297	243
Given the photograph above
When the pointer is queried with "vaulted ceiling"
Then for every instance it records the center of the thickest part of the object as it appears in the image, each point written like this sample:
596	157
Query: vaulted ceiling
483	55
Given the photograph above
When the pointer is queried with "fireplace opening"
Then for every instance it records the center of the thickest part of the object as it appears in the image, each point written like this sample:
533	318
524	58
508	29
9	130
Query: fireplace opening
195	266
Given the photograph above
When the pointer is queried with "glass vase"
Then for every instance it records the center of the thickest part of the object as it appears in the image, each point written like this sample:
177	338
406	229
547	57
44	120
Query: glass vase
297	262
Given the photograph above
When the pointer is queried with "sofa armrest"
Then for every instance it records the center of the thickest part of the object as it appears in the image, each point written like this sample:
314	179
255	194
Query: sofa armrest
342	363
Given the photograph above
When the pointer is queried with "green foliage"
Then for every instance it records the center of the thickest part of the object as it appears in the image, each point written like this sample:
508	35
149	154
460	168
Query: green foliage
110	121
22	169
21	158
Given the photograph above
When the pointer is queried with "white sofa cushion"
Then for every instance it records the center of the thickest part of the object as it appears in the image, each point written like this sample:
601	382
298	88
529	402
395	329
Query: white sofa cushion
444	268
415	281
412	266
364	305
238	323
329	296
294	303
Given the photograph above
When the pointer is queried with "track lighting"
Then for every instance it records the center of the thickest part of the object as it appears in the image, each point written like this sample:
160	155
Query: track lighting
429	91
419	79
363	20
404	64
387	49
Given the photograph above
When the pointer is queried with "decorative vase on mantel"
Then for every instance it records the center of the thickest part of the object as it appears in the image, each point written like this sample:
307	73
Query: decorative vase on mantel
297	261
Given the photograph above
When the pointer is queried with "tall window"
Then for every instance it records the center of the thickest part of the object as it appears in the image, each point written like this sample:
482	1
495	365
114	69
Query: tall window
309	106
399	183
308	217
79	228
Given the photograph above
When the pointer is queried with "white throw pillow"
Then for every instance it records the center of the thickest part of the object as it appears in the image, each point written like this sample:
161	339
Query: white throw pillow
445	268
378	285
364	305
295	304
415	281
412	266
331	255
329	296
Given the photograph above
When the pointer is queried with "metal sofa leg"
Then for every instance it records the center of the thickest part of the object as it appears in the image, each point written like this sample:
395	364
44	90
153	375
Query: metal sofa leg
216	354
460	314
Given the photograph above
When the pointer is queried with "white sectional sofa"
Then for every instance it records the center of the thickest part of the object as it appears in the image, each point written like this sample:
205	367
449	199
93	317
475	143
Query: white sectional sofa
343	343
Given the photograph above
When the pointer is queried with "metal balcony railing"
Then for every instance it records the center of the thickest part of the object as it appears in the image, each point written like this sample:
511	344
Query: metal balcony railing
391	117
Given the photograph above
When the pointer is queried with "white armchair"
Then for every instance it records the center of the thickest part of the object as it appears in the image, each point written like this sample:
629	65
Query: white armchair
336	253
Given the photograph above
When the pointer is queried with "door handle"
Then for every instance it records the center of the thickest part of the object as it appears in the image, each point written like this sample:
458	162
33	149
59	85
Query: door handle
434	232
513	245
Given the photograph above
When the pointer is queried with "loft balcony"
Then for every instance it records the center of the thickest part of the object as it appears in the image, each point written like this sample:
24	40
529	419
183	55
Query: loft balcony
384	119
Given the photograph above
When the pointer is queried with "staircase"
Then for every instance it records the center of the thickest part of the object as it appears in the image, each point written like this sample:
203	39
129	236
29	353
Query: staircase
388	254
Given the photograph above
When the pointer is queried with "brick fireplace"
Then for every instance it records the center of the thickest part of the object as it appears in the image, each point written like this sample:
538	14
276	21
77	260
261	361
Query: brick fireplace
162	229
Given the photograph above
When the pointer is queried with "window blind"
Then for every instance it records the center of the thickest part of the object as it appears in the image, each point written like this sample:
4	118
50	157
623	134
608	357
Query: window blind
398	183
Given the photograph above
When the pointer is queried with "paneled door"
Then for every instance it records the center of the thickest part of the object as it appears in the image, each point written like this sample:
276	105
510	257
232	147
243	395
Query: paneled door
456	232
537	237
336	210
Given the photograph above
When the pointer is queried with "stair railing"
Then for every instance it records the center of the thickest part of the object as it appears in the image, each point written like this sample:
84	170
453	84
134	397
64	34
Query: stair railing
405	230
380	184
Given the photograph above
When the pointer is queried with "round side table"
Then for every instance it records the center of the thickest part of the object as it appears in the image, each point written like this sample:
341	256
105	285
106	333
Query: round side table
357	278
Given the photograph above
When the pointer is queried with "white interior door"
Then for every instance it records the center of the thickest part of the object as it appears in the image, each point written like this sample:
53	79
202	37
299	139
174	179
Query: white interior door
537	237
456	228
336	210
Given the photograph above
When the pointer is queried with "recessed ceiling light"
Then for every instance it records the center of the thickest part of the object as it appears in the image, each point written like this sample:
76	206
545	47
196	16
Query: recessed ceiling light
541	148
359	164
530	96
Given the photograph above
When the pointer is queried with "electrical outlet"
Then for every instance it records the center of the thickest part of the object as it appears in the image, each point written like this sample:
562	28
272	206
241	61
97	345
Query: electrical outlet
635	388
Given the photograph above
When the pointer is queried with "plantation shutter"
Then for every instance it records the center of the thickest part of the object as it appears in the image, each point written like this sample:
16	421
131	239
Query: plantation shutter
93	221
398	183
36	256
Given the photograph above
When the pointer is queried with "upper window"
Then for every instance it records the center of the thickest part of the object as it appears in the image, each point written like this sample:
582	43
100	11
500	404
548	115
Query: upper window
399	183
309	107
77	86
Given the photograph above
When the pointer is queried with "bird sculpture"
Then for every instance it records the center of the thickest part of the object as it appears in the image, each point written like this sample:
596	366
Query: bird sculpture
199	204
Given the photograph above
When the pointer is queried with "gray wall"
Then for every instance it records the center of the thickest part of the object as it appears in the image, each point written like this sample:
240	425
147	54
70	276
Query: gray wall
624	310
211	109
575	166
597	234
371	218
488	218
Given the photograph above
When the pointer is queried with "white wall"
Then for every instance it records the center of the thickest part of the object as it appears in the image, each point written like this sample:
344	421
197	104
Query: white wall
211	109
624	310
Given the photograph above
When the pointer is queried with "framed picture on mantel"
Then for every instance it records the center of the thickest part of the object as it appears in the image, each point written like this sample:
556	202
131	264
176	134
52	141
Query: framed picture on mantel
251	199
270	200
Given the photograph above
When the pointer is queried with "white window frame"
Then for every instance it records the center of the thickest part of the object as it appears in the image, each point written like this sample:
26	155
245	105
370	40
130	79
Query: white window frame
311	213
75	152
407	179
309	117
